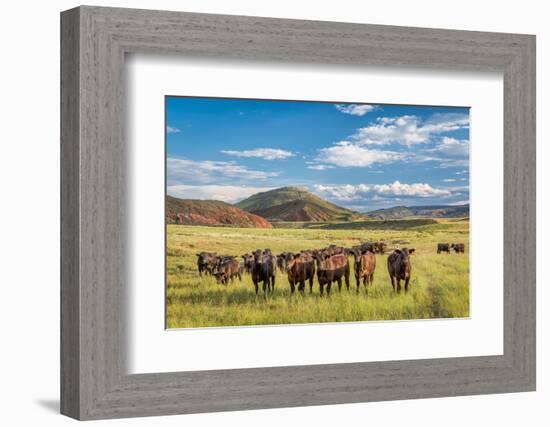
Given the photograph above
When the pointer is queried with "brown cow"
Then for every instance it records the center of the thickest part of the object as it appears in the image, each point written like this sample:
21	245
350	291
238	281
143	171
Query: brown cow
300	268
458	247
399	268
228	269
332	269
365	264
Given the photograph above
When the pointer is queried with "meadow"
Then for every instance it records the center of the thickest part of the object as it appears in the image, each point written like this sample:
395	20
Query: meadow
439	286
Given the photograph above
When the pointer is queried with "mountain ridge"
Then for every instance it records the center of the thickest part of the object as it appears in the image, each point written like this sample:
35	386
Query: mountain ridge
295	204
427	211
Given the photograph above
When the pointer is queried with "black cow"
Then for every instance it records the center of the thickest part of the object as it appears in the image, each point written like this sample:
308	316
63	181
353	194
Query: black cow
206	262
248	261
443	247
458	247
264	270
399	268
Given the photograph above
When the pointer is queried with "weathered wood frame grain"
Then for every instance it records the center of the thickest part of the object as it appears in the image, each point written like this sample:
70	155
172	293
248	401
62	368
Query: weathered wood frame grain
94	381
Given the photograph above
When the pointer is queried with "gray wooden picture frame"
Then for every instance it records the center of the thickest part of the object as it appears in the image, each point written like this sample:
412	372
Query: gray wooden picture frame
94	381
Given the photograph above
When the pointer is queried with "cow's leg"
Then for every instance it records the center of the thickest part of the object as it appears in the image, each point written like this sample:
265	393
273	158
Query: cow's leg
302	286
265	287
346	278
358	282
273	284
292	288
392	283
329	285
407	284
256	286
311	285
398	284
339	280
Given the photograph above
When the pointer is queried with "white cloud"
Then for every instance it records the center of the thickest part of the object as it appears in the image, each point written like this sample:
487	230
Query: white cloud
408	130
205	171
263	153
453	147
349	192
350	155
320	167
355	109
449	180
170	129
225	193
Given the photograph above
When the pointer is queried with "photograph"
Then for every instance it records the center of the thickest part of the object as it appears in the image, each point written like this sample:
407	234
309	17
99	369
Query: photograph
286	212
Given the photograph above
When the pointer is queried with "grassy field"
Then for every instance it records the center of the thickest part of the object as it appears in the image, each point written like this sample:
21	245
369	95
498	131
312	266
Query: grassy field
439	287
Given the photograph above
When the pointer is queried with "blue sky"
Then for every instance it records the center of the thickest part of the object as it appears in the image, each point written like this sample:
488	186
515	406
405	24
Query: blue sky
361	156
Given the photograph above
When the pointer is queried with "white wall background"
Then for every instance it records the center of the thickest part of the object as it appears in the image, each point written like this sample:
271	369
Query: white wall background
29	212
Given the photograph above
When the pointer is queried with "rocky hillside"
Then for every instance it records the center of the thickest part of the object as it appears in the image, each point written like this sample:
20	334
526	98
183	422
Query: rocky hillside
210	212
295	204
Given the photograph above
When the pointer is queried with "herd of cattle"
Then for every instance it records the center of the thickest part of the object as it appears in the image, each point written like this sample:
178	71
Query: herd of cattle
330	265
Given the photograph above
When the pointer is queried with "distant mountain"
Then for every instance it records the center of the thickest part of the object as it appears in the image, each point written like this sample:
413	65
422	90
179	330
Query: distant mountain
210	212
295	204
436	211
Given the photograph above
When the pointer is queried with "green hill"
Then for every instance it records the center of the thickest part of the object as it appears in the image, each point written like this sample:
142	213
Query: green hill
436	211
295	204
210	212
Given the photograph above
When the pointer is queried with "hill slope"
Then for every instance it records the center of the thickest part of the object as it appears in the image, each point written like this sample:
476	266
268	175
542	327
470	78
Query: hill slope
210	212
295	204
436	211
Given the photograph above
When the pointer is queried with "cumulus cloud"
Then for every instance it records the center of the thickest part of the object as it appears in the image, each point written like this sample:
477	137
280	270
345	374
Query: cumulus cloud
225	193
408	130
351	155
349	192
355	109
170	129
452	147
263	153
209	171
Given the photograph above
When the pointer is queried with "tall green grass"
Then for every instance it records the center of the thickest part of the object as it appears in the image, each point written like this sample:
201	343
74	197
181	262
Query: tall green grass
439	287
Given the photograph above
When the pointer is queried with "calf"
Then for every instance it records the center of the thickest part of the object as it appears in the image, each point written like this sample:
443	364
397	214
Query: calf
365	264
331	268
300	268
264	270
228	269
458	247
399	268
443	247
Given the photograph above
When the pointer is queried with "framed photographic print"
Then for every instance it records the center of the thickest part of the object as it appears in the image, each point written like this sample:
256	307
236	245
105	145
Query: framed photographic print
262	213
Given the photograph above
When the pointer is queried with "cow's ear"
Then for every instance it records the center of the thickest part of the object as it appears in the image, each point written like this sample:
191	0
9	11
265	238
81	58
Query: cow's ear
198	254
411	250
398	251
